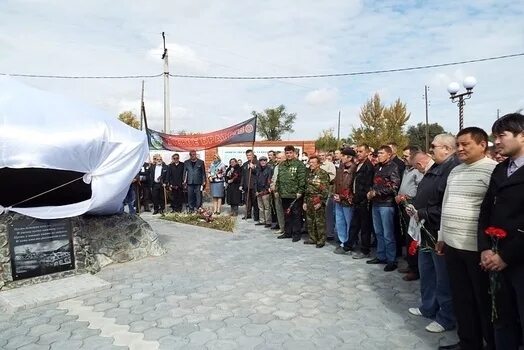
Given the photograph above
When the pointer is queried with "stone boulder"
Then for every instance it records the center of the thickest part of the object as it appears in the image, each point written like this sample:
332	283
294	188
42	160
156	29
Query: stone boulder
98	242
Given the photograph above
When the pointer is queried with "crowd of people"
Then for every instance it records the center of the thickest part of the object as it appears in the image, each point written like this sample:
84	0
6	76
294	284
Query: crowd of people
442	206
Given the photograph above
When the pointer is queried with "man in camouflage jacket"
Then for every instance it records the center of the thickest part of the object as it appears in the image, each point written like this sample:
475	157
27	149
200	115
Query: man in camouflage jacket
291	181
317	191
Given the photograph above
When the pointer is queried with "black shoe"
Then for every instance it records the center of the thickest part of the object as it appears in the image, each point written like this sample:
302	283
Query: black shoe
329	239
246	217
259	224
267	225
375	261
320	245
155	212
348	249
284	236
450	347
275	227
296	239
390	267
308	241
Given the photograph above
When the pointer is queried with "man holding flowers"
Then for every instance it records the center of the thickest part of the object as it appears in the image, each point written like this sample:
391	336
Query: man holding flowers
501	233
457	239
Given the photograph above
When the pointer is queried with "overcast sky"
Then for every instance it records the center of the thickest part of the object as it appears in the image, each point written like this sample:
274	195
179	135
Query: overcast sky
271	37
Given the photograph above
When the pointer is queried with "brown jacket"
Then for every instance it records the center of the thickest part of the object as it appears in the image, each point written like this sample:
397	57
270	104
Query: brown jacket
344	184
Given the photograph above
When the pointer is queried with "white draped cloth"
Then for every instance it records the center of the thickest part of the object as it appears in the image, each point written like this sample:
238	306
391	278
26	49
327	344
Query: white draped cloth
39	129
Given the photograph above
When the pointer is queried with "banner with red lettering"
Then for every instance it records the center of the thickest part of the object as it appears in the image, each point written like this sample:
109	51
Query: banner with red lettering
243	132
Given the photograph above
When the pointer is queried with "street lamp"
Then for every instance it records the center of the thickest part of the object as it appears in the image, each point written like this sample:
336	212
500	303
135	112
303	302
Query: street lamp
469	83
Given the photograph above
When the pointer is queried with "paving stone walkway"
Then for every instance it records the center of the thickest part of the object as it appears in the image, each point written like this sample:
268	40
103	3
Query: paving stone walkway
246	290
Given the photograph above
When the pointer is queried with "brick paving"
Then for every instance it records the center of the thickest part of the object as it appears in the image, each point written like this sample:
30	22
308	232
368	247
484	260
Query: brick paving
242	290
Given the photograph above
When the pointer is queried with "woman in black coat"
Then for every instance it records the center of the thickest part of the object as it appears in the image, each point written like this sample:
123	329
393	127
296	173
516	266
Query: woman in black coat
233	194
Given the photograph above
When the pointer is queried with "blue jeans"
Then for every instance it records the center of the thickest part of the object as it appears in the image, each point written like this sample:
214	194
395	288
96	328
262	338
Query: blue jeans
343	217
435	291
130	200
194	197
383	223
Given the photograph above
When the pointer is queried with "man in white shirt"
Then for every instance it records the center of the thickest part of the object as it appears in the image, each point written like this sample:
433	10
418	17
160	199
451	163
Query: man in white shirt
457	240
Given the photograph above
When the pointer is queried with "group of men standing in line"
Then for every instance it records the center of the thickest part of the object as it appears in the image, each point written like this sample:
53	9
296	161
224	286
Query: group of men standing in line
449	199
180	179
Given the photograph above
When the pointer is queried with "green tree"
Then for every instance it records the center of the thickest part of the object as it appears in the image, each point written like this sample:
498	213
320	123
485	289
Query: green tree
274	122
130	119
417	134
327	141
381	124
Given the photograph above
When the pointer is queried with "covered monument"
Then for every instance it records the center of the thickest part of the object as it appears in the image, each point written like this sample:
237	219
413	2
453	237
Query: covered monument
60	158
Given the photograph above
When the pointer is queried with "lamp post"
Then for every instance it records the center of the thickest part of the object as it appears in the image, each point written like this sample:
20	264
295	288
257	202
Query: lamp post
453	88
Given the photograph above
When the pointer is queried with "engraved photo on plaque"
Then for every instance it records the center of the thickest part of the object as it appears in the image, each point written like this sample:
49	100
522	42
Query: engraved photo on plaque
40	247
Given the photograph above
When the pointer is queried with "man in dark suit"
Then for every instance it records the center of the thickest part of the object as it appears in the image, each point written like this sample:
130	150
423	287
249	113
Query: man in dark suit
195	180
401	165
175	179
503	207
363	180
247	184
157	176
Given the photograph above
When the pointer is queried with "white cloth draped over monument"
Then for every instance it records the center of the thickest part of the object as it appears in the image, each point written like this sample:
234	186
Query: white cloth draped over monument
80	158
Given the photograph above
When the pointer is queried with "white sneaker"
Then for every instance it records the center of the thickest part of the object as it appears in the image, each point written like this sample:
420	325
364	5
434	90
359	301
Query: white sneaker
435	327
415	311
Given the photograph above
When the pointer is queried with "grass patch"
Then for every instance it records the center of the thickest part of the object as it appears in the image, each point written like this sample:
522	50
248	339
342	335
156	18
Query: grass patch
222	223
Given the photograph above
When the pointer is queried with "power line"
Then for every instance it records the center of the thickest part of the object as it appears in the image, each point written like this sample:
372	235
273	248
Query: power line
306	76
82	77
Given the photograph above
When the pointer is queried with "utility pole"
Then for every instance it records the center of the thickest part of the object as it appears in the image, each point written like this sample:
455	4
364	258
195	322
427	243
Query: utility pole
338	132
142	108
498	114
167	108
427	119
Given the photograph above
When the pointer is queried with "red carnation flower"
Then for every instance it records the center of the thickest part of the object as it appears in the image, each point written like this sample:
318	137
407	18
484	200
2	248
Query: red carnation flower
496	232
412	250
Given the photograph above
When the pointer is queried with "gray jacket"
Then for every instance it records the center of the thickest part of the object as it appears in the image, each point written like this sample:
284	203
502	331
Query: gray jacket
194	172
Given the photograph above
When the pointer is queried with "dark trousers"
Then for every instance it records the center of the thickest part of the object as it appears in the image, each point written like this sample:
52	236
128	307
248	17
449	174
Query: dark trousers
251	204
330	218
158	196
471	301
177	198
509	327
145	196
194	197
398	231
412	260
293	219
361	222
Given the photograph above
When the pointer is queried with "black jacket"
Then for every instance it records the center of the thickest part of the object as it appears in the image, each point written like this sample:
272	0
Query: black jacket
163	175
503	207
430	193
385	184
175	174
263	178
145	177
363	180
400	165
247	178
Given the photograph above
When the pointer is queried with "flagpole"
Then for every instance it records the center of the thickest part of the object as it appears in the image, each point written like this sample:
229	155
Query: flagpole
250	170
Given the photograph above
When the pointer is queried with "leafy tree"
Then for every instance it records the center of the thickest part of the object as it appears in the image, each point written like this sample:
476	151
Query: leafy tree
327	141
381	124
130	119
274	122
417	134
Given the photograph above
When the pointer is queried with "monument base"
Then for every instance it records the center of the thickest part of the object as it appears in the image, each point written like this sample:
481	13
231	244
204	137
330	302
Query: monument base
97	242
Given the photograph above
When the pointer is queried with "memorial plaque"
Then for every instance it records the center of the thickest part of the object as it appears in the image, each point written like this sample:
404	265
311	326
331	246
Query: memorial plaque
40	247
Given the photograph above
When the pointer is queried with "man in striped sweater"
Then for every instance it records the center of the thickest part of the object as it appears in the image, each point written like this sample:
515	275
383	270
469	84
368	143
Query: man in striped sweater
457	240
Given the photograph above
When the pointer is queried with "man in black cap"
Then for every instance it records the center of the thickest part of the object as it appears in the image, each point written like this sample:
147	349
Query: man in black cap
262	183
